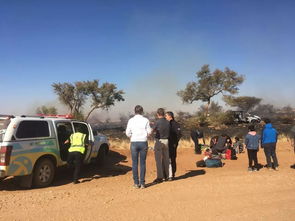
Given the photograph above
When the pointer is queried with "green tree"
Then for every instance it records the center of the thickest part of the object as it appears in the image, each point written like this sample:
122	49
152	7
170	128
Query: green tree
244	103
102	97
212	117
210	84
74	96
46	110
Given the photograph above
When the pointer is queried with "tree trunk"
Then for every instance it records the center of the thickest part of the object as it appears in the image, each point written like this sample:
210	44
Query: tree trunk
207	108
90	113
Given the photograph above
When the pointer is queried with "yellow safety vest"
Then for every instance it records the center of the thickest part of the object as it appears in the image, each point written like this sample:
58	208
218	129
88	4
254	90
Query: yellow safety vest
77	142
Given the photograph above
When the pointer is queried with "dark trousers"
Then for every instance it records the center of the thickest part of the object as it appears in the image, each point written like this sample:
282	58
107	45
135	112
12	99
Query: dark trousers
75	160
172	155
252	157
196	142
270	153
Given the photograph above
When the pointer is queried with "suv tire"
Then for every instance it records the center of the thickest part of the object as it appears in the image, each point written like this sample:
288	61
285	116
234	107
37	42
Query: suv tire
43	173
101	155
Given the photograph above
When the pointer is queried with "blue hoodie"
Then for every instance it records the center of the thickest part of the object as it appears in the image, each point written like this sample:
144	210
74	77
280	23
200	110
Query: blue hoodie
269	134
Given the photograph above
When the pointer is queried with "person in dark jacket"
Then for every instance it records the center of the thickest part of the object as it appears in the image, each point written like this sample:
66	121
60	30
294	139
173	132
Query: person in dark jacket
252	141
174	136
196	134
268	143
292	136
220	146
162	131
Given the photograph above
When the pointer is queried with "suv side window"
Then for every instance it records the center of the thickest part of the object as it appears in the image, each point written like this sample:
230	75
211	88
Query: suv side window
32	129
83	127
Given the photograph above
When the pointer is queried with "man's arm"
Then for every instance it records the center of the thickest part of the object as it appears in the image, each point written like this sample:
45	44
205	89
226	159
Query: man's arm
128	131
68	140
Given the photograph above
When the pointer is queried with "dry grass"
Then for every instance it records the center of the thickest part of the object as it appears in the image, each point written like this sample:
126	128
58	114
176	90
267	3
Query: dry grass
122	144
116	143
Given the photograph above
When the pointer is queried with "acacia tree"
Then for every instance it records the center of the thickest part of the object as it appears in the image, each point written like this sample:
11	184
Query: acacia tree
102	97
210	84
244	103
74	96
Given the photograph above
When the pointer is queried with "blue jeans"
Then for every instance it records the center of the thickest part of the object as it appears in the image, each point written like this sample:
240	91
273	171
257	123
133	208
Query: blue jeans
138	150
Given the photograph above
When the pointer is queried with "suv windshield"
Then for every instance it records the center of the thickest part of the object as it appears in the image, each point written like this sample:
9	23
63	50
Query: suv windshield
4	122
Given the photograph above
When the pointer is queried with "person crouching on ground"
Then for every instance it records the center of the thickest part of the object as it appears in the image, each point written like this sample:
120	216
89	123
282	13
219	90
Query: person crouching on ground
138	129
174	136
252	141
162	130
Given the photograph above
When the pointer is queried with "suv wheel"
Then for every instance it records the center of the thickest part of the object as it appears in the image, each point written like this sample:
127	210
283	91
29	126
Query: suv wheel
101	155
43	173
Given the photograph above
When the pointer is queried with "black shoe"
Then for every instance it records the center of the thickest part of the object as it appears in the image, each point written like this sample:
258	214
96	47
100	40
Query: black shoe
170	178
158	180
76	181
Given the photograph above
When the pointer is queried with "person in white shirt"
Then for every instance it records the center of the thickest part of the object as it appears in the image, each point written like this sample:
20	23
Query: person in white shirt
138	129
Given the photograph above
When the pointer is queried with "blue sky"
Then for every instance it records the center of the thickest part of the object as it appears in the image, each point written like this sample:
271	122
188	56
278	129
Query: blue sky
150	49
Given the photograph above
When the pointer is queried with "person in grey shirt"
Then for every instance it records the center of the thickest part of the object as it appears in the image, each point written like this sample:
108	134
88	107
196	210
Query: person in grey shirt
162	130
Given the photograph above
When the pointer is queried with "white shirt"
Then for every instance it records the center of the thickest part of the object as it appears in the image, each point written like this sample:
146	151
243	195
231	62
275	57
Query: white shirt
138	128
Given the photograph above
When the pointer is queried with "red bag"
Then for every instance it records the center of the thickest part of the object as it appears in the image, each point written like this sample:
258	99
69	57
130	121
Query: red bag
228	154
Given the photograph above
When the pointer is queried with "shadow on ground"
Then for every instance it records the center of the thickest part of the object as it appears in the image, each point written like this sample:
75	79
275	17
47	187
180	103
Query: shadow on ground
190	173
111	167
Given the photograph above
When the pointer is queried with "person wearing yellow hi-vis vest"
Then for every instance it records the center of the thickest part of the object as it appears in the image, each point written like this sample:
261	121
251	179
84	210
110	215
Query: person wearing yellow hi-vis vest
76	151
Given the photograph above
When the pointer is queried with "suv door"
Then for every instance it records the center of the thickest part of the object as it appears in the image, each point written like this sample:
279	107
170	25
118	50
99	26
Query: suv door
64	130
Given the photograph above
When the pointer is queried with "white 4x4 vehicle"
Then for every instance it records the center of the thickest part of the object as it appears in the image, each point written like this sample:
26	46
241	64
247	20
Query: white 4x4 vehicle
33	147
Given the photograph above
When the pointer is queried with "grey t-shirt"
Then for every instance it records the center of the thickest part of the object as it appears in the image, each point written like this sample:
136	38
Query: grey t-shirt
162	127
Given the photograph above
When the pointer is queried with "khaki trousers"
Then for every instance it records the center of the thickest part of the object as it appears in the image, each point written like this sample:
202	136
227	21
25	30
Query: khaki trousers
162	158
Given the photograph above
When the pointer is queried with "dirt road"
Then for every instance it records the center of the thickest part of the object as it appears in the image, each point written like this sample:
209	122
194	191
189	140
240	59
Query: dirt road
228	193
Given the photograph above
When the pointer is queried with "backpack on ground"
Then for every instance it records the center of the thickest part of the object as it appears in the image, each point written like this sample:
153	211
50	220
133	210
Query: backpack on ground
201	163
212	163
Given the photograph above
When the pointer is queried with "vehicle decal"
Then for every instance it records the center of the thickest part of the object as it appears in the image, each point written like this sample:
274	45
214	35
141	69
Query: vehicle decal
37	150
43	143
23	162
21	165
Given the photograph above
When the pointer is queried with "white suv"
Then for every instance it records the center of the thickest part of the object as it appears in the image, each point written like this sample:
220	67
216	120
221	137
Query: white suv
33	147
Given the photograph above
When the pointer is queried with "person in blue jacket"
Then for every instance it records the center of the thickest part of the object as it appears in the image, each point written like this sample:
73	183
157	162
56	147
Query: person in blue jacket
268	143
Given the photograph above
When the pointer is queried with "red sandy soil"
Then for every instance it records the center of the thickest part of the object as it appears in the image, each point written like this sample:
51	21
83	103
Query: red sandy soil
106	193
